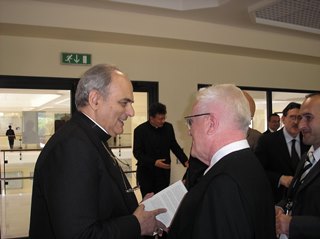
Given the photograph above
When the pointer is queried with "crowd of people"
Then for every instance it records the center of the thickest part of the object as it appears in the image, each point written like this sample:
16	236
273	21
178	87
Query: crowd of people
239	186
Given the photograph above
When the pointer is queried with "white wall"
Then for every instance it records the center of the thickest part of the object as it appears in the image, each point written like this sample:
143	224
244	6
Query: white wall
177	53
177	71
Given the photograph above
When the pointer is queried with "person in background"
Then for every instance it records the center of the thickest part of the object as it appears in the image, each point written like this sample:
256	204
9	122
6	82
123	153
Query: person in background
273	123
152	143
298	214
253	135
79	190
11	136
233	199
280	152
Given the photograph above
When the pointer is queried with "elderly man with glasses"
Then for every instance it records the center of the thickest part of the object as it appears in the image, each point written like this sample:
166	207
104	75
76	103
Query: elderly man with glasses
233	198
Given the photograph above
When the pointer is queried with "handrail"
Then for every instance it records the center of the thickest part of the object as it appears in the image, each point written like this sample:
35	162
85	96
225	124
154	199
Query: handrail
20	150
16	178
4	179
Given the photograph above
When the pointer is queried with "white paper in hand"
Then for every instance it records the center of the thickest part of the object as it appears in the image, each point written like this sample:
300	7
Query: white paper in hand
169	198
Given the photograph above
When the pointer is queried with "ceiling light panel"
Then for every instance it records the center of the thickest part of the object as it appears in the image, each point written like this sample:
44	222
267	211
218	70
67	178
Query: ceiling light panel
181	5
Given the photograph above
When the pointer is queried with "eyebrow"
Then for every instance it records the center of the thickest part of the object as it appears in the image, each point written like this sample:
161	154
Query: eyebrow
126	100
304	114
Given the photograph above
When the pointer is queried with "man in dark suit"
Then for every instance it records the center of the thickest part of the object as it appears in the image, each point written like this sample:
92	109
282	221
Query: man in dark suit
275	151
79	190
299	213
273	123
233	199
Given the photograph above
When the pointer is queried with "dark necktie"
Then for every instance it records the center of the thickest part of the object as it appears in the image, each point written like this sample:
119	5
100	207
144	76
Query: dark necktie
294	155
307	166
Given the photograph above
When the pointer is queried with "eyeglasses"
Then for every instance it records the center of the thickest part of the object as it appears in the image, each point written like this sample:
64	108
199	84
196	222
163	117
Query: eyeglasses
189	119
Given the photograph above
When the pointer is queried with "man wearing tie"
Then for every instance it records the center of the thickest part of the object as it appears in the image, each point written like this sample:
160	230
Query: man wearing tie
280	151
298	215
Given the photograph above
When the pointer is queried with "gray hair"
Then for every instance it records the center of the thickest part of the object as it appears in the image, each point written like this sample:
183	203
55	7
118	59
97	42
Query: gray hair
97	78
231	99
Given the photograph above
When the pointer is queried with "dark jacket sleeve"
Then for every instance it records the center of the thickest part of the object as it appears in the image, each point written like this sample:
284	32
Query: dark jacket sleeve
139	149
175	147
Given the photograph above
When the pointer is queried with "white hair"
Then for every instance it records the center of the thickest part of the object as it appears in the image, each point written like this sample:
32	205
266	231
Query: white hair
230	99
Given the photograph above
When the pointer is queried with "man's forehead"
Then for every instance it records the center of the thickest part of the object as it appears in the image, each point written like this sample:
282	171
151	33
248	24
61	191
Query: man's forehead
160	115
293	111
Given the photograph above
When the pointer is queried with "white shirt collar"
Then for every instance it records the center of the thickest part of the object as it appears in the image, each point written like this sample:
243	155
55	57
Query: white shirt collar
288	137
316	153
227	149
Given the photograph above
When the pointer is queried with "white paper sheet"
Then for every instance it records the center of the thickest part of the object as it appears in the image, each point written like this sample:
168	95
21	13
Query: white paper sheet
169	198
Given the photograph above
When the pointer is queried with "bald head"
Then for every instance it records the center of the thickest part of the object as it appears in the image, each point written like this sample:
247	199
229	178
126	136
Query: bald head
252	104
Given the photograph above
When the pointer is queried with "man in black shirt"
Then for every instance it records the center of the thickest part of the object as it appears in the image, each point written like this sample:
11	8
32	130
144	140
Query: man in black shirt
153	141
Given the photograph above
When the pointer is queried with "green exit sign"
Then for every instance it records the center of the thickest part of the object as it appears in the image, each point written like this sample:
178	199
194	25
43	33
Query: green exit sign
75	58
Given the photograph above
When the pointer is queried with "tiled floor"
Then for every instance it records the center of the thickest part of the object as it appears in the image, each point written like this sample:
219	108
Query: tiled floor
15	213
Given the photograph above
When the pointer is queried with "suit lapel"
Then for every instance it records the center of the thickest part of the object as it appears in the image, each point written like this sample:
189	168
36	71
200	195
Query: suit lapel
310	176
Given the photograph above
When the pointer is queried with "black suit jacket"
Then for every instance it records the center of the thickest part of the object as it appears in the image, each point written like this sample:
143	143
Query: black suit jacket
305	221
273	153
232	200
78	191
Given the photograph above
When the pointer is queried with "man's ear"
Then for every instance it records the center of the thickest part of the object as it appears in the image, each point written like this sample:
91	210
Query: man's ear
212	124
93	99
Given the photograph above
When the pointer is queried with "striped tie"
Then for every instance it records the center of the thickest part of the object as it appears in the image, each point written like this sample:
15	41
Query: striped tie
307	166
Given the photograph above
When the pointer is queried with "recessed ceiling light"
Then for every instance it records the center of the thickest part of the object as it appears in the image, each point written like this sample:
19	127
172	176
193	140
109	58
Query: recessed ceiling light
181	5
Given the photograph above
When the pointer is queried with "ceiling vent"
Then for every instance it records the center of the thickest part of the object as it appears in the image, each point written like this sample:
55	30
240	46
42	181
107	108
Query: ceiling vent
302	15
